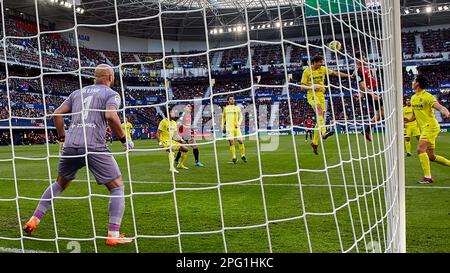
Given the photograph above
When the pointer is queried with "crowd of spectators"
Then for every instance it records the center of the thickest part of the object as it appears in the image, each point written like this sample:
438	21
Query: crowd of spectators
409	43
58	53
436	40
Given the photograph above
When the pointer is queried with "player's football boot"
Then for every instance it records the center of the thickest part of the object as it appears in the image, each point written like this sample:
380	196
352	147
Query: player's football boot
31	225
314	147
327	134
367	135
120	240
173	170
408	155
234	160
244	159
425	180
199	164
180	166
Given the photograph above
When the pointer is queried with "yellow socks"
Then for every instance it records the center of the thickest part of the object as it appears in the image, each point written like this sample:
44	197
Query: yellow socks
442	160
425	162
183	158
233	151
242	149
316	135
408	147
323	129
171	159
320	124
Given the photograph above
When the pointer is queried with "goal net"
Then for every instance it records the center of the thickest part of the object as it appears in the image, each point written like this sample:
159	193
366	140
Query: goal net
348	197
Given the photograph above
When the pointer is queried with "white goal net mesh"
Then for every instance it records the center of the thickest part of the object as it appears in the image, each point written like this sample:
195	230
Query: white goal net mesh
285	199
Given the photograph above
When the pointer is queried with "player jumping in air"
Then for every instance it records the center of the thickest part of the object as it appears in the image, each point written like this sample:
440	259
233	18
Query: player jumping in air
309	123
411	128
127	127
423	105
186	132
167	135
92	126
313	80
368	86
231	121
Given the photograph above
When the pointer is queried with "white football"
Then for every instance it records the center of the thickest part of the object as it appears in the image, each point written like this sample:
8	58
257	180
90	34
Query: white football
335	45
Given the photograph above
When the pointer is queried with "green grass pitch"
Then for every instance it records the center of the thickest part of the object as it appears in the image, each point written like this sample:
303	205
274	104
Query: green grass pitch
199	199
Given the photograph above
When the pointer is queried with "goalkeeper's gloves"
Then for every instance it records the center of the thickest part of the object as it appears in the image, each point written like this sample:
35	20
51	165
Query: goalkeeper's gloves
160	144
126	144
61	139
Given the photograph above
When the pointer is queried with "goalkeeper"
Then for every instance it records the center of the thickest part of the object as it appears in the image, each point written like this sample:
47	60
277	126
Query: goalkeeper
89	125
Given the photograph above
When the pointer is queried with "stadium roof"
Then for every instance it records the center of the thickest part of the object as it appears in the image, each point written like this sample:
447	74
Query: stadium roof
220	13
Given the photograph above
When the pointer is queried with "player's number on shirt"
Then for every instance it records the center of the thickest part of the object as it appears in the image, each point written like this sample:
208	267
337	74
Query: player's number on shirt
87	102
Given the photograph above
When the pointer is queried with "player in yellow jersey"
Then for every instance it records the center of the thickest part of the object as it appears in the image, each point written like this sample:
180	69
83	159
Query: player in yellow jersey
411	128
313	80
424	104
167	135
127	127
231	121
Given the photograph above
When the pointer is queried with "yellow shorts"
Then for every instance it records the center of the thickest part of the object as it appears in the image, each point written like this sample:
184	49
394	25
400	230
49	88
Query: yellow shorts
175	145
233	133
412	131
429	135
320	99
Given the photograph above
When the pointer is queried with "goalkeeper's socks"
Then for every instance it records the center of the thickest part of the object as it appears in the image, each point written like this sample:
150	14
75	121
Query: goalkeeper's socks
116	208
177	159
425	163
242	149
45	204
442	160
196	154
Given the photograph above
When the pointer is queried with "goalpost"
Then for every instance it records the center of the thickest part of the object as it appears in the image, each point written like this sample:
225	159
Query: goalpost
370	174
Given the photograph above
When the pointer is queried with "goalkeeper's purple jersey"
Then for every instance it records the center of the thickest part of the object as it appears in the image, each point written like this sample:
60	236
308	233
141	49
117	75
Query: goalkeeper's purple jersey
93	97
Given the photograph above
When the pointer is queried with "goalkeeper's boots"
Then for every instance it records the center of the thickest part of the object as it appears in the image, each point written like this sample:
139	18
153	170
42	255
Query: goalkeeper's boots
425	180
408	154
234	161
31	225
314	147
119	240
244	159
328	134
181	166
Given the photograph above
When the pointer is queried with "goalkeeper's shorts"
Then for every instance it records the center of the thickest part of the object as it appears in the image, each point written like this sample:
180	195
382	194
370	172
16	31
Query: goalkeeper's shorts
412	131
175	145
429	135
103	166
